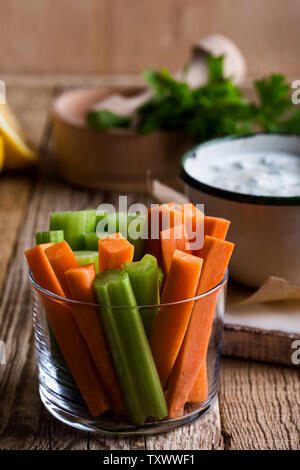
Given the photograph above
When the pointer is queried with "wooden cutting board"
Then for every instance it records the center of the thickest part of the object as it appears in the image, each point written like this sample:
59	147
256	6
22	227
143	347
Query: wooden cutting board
264	332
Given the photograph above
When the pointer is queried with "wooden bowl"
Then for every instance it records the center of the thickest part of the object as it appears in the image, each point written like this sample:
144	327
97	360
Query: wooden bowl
116	160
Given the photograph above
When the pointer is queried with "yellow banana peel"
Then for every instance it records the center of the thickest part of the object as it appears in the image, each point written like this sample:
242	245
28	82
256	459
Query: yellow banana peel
17	152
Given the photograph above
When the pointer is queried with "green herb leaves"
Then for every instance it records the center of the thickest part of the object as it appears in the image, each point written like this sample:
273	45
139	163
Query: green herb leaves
105	119
216	109
275	112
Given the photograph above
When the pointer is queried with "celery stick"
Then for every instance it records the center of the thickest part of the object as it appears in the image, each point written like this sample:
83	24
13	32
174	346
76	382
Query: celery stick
87	257
130	349
121	222
99	216
53	236
91	240
160	278
143	276
137	222
74	224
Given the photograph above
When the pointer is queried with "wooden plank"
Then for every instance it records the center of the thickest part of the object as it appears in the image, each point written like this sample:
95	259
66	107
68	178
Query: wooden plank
259	406
125	36
258	344
203	434
14	193
54	34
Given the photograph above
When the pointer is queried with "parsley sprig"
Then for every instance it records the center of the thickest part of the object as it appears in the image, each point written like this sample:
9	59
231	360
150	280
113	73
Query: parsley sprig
216	109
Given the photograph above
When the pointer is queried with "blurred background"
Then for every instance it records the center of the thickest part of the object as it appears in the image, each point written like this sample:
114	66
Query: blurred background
47	45
110	37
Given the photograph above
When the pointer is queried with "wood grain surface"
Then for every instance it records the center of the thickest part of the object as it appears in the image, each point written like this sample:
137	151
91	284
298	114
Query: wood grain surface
261	345
259	403
126	36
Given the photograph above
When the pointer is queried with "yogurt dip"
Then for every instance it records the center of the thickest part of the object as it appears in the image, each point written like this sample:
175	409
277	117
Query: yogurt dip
259	173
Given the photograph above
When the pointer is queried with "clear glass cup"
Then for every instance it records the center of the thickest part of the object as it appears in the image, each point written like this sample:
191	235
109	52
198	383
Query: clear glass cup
60	394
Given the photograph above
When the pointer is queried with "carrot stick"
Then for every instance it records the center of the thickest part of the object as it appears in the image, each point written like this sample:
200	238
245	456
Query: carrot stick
114	251
46	276
171	321
175	216
194	226
61	258
190	211
80	283
199	392
216	255
160	218
215	227
172	239
71	343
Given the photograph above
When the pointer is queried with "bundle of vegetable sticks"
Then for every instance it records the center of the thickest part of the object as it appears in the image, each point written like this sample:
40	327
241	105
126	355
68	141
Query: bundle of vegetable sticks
141	352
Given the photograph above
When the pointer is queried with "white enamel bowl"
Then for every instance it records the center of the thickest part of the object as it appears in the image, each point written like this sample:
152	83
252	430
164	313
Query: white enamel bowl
265	229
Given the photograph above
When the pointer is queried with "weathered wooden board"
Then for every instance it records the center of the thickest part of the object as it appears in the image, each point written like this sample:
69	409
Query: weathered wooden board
126	36
259	345
14	194
260	405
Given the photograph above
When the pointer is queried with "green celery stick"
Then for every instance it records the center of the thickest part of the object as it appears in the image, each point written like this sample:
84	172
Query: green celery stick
143	276
74	224
99	216
130	349
160	278
53	236
87	257
121	222
138	222
91	240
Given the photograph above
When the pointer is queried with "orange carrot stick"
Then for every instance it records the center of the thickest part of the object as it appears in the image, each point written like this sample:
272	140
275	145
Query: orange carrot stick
114	251
194	226
199	392
46	275
71	343
80	284
171	321
215	227
172	239
190	211
160	218
216	255
61	258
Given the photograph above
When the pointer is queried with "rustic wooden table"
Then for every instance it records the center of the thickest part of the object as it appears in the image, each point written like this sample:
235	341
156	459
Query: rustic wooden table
258	404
